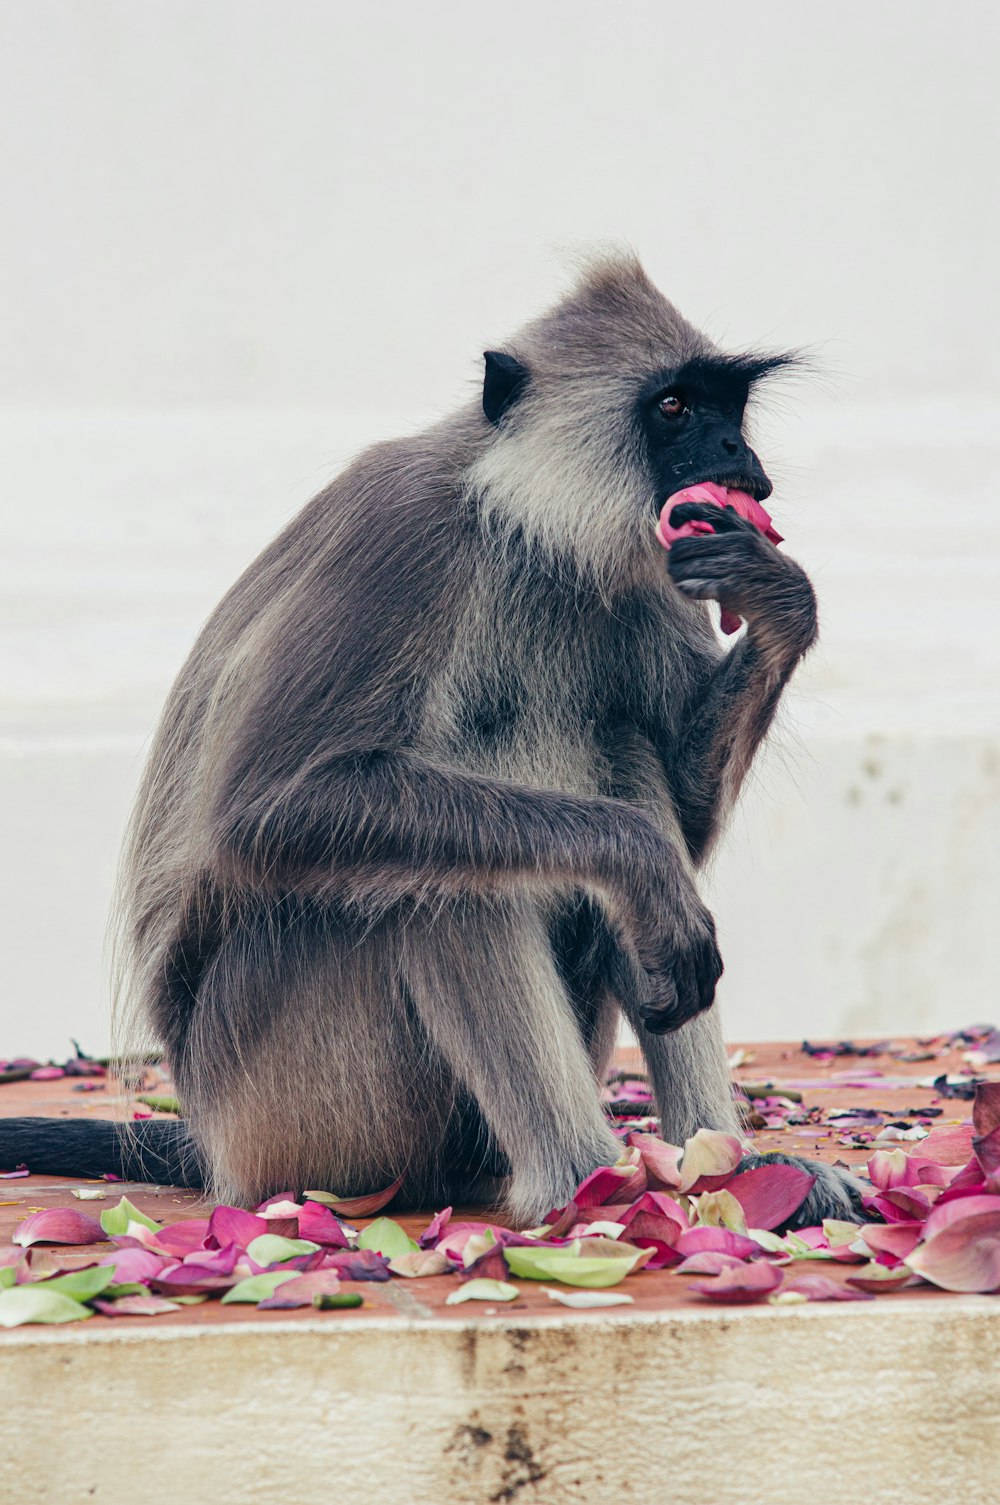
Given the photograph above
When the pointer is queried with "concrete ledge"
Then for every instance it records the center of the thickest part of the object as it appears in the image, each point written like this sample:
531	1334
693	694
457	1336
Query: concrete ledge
892	1401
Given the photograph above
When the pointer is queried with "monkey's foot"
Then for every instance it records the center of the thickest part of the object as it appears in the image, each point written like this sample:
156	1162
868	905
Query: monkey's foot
836	1194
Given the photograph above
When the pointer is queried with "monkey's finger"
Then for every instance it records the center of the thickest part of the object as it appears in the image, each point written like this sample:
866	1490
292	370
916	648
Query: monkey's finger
712	548
723	519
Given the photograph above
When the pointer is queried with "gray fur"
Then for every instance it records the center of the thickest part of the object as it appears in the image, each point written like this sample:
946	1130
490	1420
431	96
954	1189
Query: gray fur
427	801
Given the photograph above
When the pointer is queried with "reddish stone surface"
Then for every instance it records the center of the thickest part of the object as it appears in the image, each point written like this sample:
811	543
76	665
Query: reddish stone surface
824	1086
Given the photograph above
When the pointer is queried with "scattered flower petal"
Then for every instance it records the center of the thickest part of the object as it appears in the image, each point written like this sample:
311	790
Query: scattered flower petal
586	1299
257	1287
386	1237
271	1249
877	1278
58	1225
709	1153
302	1290
420	1262
137	1306
662	1160
35	1303
358	1264
356	1207
117	1219
573	1265
770	1194
742	1283
319	1224
823	1288
482	1290
709	1262
233	1225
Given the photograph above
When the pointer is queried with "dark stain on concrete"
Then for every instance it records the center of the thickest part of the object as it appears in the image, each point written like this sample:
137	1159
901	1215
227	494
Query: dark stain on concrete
522	1468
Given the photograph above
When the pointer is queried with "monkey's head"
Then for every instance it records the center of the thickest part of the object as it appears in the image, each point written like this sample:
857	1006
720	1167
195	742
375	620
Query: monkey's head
601	409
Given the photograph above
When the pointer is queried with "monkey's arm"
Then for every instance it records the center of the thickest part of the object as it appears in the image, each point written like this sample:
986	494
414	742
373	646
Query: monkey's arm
388	825
730	715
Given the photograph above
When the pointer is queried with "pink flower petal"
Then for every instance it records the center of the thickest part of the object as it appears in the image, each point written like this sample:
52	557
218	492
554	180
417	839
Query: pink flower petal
281	1205
188	1280
949	1213
301	1290
721	1240
742	1283
709	1262
47	1074
721	496
359	1207
823	1288
986	1149
709	1153
435	1229
58	1225
135	1306
894	1239
183	1237
233	1225
15	1175
986	1108
962	1257
134	1265
655	1222
568	1216
901	1206
358	1264
422	1262
656	1204
947	1144
490	1265
879	1279
319	1224
213	1261
608	1184
662	1160
769	1194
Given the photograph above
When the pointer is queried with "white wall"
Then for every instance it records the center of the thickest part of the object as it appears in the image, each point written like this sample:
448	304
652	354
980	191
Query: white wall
238	240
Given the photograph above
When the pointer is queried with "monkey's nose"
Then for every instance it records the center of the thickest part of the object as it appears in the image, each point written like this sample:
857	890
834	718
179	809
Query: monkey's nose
731	446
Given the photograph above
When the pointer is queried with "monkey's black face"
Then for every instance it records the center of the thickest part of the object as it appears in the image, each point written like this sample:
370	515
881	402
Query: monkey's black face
692	422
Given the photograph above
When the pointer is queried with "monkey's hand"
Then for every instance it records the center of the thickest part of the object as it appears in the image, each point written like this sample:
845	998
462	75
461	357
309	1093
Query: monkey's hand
673	935
742	570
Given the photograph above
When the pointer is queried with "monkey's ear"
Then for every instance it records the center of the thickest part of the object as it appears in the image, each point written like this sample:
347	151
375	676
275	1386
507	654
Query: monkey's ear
503	383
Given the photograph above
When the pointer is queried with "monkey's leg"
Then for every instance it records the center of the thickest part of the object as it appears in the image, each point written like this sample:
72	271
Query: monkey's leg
587	954
693	1090
689	1074
487	990
302	1065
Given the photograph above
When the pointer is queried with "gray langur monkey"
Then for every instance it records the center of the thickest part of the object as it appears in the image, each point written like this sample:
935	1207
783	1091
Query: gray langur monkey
426	808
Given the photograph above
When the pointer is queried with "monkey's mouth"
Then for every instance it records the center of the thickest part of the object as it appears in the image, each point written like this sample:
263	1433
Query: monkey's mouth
759	487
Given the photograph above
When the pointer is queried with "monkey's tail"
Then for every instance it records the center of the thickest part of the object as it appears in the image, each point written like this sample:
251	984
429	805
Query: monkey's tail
154	1150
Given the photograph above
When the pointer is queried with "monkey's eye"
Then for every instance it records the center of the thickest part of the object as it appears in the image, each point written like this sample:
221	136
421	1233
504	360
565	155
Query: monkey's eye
672	406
